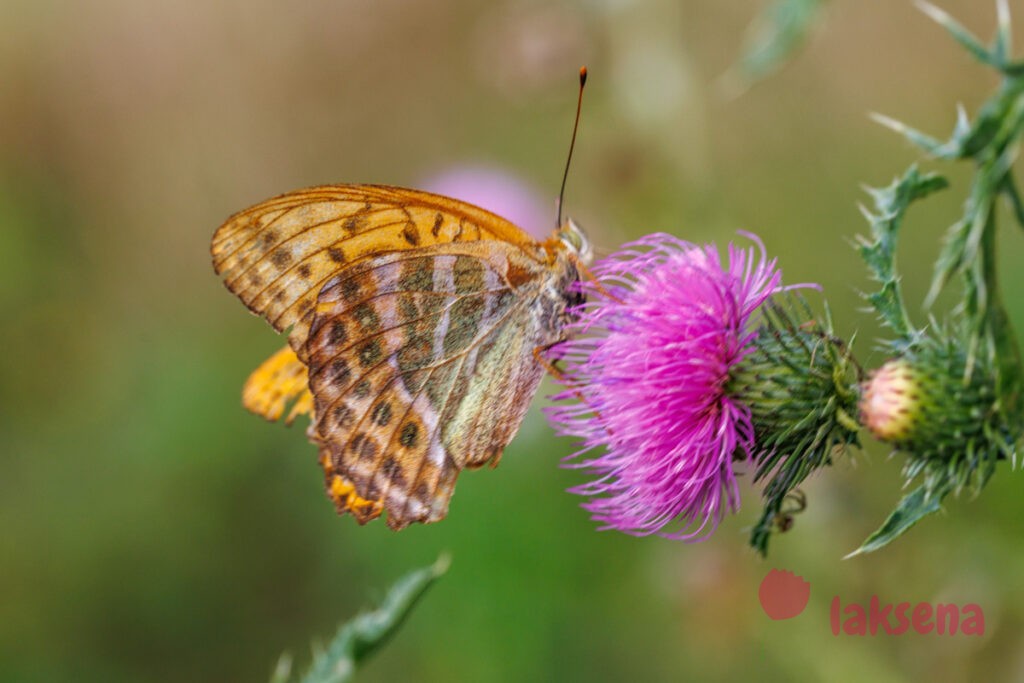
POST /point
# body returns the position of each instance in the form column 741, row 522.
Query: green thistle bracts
column 800, row 384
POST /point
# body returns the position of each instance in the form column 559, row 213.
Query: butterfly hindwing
column 280, row 383
column 277, row 255
column 411, row 370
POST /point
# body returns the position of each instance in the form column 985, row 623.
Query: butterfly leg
column 552, row 369
column 583, row 270
column 549, row 366
column 538, row 353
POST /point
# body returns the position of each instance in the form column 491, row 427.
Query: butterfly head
column 572, row 238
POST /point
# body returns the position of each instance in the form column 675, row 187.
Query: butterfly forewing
column 278, row 254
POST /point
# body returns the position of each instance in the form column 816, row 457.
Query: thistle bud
column 940, row 410
column 891, row 402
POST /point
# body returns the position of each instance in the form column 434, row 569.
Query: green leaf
column 364, row 634
column 909, row 512
column 879, row 253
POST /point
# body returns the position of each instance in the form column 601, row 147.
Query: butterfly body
column 416, row 319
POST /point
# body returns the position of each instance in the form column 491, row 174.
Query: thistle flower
column 665, row 326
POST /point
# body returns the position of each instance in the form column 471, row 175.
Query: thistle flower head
column 647, row 377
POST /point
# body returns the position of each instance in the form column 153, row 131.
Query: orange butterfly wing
column 277, row 255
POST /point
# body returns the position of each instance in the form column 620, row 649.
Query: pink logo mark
column 783, row 595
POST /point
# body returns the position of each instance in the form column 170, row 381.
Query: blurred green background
column 150, row 529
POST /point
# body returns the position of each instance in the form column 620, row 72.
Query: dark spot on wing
column 343, row 416
column 411, row 234
column 364, row 446
column 393, row 471
column 340, row 373
column 362, row 390
column 370, row 354
column 281, row 257
column 349, row 288
column 410, row 435
column 338, row 334
column 354, row 223
column 366, row 316
column 417, row 352
column 381, row 413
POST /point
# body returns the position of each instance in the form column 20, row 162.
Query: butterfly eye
column 574, row 237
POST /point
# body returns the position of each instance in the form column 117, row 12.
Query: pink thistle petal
column 647, row 375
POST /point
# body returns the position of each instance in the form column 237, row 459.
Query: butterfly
column 415, row 324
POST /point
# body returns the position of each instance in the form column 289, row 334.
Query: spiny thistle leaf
column 891, row 204
column 962, row 252
column 933, row 146
column 959, row 33
column 914, row 506
column 364, row 634
column 995, row 124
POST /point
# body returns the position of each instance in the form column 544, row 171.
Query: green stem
column 1010, row 377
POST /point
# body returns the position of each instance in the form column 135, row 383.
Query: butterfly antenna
column 572, row 144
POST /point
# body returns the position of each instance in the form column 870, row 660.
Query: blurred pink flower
column 647, row 378
column 499, row 192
